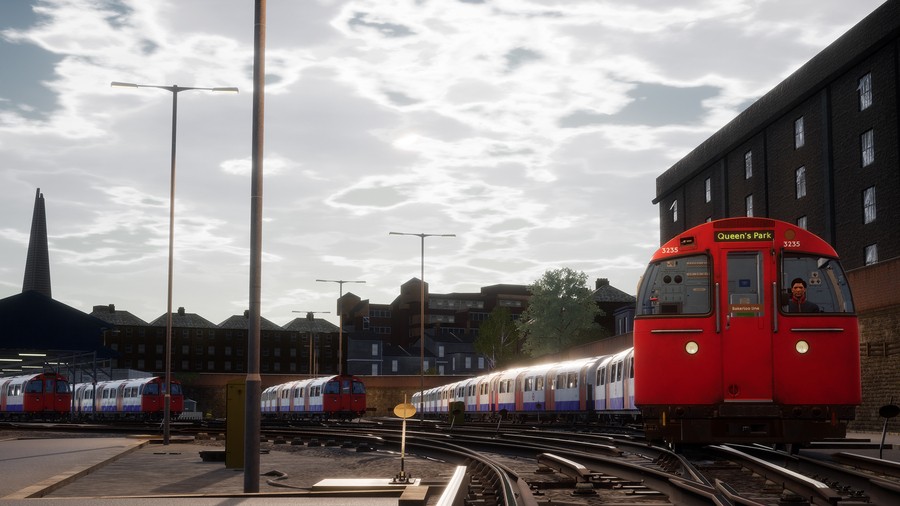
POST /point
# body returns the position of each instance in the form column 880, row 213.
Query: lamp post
column 340, row 309
column 174, row 89
column 313, row 362
column 422, row 315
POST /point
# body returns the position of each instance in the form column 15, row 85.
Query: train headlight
column 802, row 347
column 691, row 347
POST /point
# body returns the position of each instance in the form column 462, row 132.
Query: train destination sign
column 744, row 235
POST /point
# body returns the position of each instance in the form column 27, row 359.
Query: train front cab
column 719, row 359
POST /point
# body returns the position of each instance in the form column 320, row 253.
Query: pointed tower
column 37, row 265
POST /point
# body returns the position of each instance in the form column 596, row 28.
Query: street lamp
column 174, row 89
column 340, row 282
column 422, row 315
column 313, row 363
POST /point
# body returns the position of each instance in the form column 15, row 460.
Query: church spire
column 37, row 264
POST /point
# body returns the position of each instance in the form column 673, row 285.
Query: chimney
column 181, row 311
column 601, row 282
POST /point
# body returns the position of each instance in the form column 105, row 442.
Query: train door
column 746, row 334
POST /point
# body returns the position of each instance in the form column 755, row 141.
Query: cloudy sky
column 534, row 130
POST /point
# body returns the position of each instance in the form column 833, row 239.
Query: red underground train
column 722, row 351
column 40, row 396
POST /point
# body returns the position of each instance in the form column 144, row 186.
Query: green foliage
column 498, row 338
column 560, row 314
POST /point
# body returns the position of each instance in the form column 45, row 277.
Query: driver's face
column 798, row 290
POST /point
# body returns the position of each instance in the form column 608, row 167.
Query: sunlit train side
column 577, row 389
column 37, row 396
column 719, row 357
column 323, row 397
column 134, row 398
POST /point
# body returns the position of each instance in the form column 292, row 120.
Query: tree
column 498, row 338
column 560, row 313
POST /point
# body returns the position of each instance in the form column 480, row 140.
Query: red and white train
column 721, row 356
column 719, row 353
column 597, row 386
column 43, row 395
column 138, row 398
column 324, row 397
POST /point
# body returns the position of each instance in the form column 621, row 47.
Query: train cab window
column 152, row 389
column 62, row 387
column 676, row 286
column 826, row 283
column 359, row 387
column 332, row 387
column 34, row 387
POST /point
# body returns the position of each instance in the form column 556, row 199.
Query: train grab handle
column 774, row 307
column 718, row 312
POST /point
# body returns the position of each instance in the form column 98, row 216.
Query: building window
column 748, row 164
column 142, row 348
column 441, row 351
column 185, row 365
column 865, row 91
column 869, row 205
column 708, row 189
column 159, row 365
column 375, row 350
column 393, row 366
column 159, row 349
column 800, row 177
column 210, row 365
column 799, row 135
column 674, row 209
column 185, row 349
column 871, row 254
column 867, row 145
column 211, row 350
column 748, row 202
column 801, row 222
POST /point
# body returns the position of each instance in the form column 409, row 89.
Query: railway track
column 525, row 466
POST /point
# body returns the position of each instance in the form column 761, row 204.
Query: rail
column 816, row 491
column 454, row 493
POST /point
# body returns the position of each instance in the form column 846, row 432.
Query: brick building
column 820, row 150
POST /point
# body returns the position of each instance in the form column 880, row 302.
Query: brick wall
column 877, row 298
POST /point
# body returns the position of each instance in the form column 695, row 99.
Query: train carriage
column 43, row 396
column 136, row 398
column 321, row 397
column 720, row 353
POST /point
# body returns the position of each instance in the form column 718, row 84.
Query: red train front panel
column 719, row 356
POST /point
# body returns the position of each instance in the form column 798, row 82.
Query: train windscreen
column 826, row 284
column 676, row 286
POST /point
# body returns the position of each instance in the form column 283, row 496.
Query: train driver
column 798, row 303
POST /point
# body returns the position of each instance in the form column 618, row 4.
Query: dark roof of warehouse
column 242, row 322
column 318, row 326
column 31, row 320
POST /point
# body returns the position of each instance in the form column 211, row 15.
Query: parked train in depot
column 325, row 397
column 136, row 398
column 45, row 396
column 50, row 396
column 721, row 352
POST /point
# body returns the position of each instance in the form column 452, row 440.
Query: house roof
column 316, row 326
column 242, row 322
column 114, row 316
column 183, row 319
